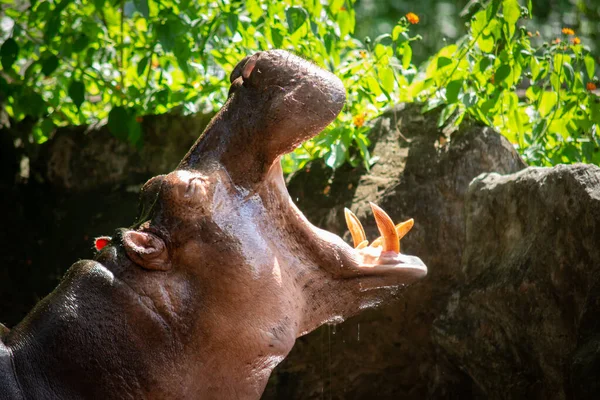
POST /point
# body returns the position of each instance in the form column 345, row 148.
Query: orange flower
column 591, row 86
column 576, row 40
column 412, row 18
column 529, row 34
column 363, row 54
column 568, row 31
column 556, row 41
column 359, row 120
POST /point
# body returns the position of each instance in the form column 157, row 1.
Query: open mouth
column 382, row 256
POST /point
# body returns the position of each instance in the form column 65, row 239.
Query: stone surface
column 509, row 309
column 89, row 158
column 421, row 174
column 524, row 323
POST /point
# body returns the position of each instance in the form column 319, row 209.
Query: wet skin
column 208, row 291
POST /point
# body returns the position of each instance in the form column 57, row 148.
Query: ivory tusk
column 402, row 229
column 387, row 229
column 355, row 228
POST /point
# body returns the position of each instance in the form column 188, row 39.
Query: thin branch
column 122, row 51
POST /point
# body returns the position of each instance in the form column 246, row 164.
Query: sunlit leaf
column 386, row 79
column 295, row 17
column 452, row 91
column 547, row 103
column 511, row 10
column 590, row 65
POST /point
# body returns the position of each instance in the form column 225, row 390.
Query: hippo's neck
column 78, row 342
column 9, row 386
column 73, row 346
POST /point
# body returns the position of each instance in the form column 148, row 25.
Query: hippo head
column 233, row 270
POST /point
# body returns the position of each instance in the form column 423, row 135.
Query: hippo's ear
column 147, row 250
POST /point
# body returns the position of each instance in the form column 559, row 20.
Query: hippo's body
column 208, row 291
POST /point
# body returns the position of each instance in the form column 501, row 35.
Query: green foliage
column 542, row 98
column 78, row 62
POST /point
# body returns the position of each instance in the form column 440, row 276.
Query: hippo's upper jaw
column 208, row 291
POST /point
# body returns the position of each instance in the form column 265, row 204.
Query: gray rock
column 524, row 323
column 83, row 158
column 421, row 174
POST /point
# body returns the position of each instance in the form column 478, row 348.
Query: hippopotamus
column 208, row 290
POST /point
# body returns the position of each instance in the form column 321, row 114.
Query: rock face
column 510, row 306
column 524, row 322
column 388, row 354
column 88, row 158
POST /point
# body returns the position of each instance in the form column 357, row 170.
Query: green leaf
column 590, row 65
column 534, row 65
column 141, row 67
column 547, row 103
column 446, row 114
column 386, row 79
column 452, row 90
column 277, row 37
column 9, row 52
column 346, row 22
column 80, row 43
column 295, row 17
column 406, row 55
column 486, row 43
column 51, row 28
column 569, row 72
column 182, row 52
column 443, row 61
column 479, row 22
column 232, row 22
column 336, row 156
column 142, row 7
column 493, row 10
column 253, row 7
column 118, row 122
column 502, row 73
column 47, row 126
column 32, row 104
column 469, row 99
column 169, row 33
column 77, row 93
column 162, row 96
column 511, row 11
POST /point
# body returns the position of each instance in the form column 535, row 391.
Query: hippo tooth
column 362, row 244
column 402, row 229
column 355, row 227
column 387, row 229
